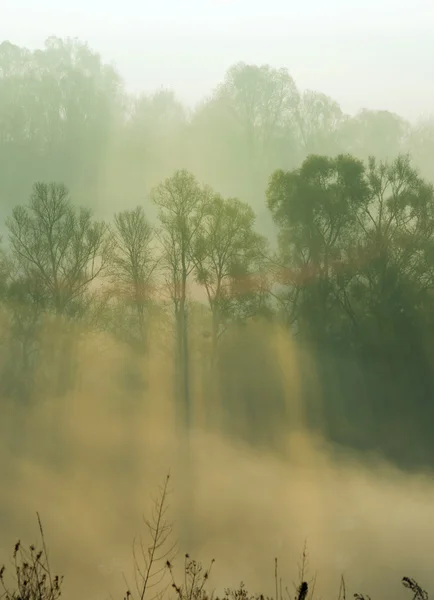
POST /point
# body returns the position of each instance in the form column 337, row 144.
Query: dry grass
column 29, row 576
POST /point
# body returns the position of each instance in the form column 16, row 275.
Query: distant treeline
column 66, row 116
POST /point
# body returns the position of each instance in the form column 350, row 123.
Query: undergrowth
column 29, row 576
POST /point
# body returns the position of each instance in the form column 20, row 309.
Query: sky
column 375, row 54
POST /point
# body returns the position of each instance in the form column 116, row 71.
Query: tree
column 391, row 294
column 58, row 252
column 374, row 133
column 5, row 271
column 261, row 102
column 22, row 326
column 156, row 130
column 319, row 119
column 357, row 256
column 396, row 224
column 57, row 247
column 182, row 204
column 262, row 99
column 227, row 251
column 132, row 269
column 21, row 323
column 314, row 207
column 421, row 145
column 57, row 110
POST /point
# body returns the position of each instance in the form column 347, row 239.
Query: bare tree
column 58, row 245
column 133, row 267
column 151, row 561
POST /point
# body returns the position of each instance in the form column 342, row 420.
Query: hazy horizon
column 382, row 63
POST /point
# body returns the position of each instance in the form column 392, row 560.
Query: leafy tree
column 396, row 225
column 374, row 132
column 57, row 108
column 216, row 146
column 154, row 135
column 356, row 262
column 420, row 145
column 314, row 207
column 261, row 103
column 261, row 99
column 319, row 119
column 182, row 204
column 391, row 295
column 227, row 252
column 150, row 142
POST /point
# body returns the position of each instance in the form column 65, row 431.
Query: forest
column 192, row 231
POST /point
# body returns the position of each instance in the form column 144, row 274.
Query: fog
column 90, row 462
column 364, row 54
column 217, row 261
